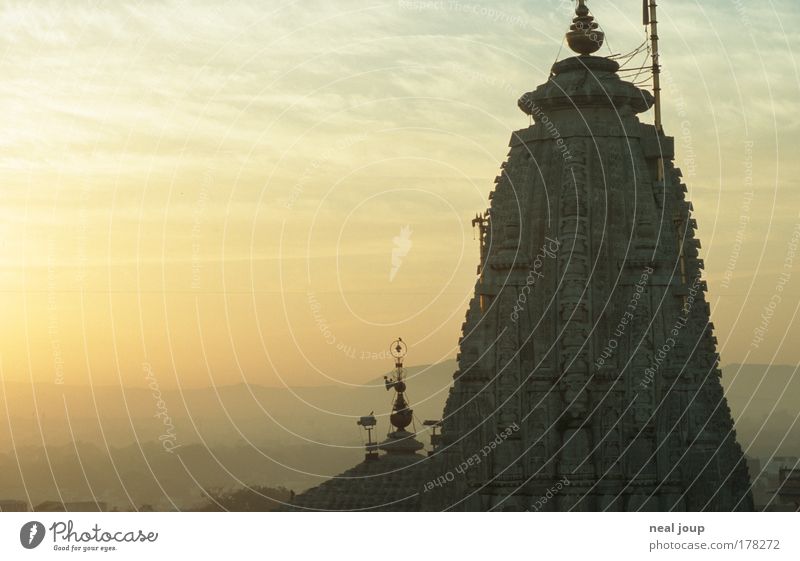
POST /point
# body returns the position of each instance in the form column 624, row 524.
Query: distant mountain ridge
column 249, row 434
column 320, row 414
column 214, row 414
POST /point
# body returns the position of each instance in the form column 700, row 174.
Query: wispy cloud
column 120, row 118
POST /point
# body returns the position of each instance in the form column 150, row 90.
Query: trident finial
column 583, row 36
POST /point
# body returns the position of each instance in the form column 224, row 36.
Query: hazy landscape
column 112, row 445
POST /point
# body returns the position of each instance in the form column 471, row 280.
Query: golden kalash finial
column 583, row 36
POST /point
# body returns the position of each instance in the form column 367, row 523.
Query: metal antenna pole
column 650, row 18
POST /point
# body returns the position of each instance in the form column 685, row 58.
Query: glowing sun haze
column 271, row 192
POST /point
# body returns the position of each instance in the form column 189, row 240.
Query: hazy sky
column 216, row 188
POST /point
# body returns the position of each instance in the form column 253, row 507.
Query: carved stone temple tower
column 588, row 376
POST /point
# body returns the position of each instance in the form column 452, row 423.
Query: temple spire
column 583, row 36
column 400, row 441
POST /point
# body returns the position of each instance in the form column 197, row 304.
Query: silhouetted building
column 789, row 487
column 391, row 481
column 73, row 506
column 588, row 377
column 13, row 506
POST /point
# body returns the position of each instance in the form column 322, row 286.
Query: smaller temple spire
column 583, row 36
column 400, row 440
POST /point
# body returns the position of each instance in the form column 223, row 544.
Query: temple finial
column 400, row 441
column 583, row 36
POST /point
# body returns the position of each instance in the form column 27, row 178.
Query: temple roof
column 392, row 482
column 583, row 82
column 389, row 481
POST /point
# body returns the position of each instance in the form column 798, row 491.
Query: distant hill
column 270, row 416
column 108, row 446
column 213, row 415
